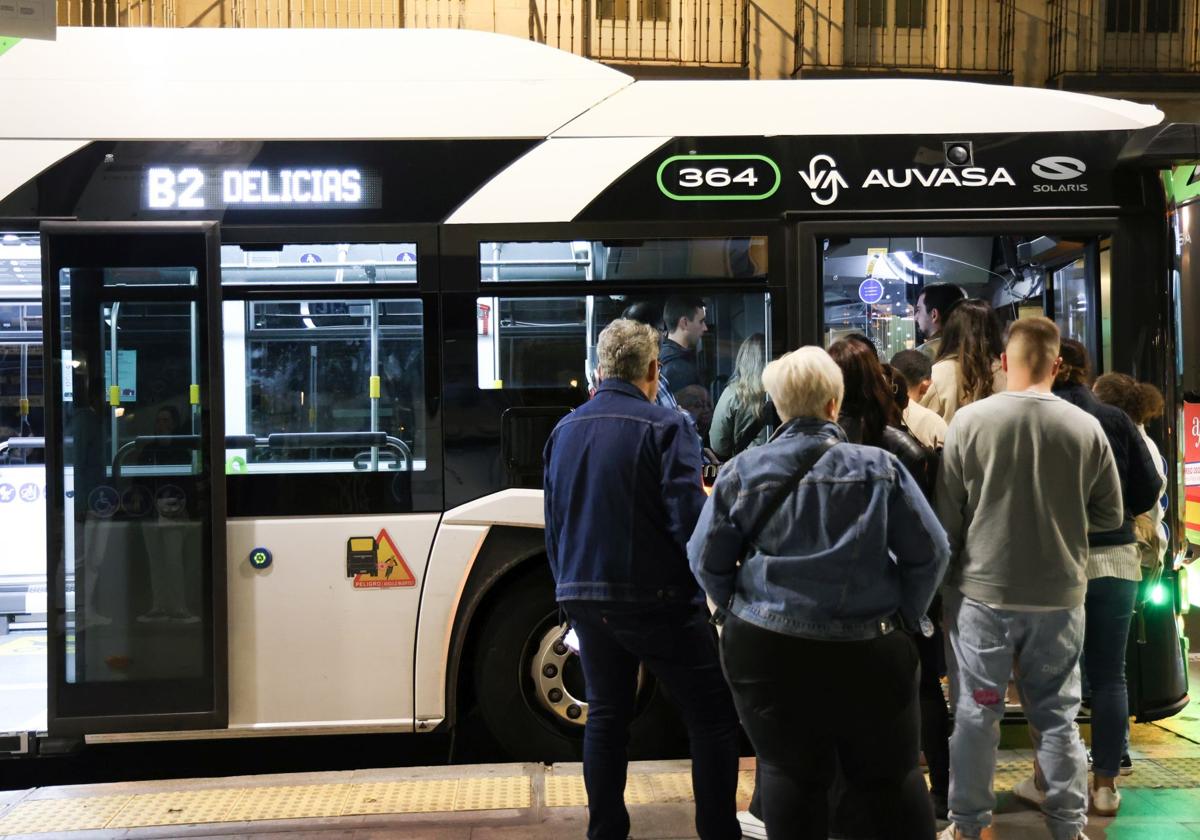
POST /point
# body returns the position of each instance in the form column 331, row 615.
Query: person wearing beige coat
column 968, row 364
column 945, row 395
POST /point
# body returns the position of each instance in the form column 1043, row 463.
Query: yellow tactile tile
column 671, row 787
column 414, row 797
column 1164, row 773
column 492, row 793
column 1148, row 734
column 745, row 788
column 177, row 807
column 565, row 791
column 289, row 802
column 1008, row 773
column 47, row 815
column 639, row 789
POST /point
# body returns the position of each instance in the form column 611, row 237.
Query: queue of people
column 1013, row 493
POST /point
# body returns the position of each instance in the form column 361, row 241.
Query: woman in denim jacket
column 816, row 582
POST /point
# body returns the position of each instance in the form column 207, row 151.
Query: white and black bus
column 312, row 301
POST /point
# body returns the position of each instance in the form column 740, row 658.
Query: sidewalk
column 520, row 802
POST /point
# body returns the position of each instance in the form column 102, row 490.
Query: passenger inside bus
column 686, row 325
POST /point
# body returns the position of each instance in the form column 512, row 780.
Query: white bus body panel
column 306, row 648
column 458, row 542
column 555, row 180
column 292, row 84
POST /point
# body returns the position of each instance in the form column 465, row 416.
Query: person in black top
column 685, row 320
column 1113, row 570
column 871, row 414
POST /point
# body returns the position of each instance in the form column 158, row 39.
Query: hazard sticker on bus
column 390, row 571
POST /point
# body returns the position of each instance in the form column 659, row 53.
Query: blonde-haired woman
column 818, row 553
column 738, row 419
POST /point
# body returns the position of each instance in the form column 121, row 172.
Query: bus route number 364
column 718, row 177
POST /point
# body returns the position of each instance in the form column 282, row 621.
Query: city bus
column 310, row 302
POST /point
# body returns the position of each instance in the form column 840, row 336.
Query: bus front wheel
column 530, row 689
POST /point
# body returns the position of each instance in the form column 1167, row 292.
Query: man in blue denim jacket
column 818, row 553
column 622, row 494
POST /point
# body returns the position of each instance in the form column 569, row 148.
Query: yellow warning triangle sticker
column 391, row 570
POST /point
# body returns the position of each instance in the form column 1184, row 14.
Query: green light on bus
column 1158, row 594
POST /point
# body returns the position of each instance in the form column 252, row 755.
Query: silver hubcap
column 549, row 661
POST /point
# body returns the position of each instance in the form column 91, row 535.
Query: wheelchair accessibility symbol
column 104, row 501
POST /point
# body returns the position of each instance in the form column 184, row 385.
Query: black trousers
column 677, row 645
column 935, row 716
column 810, row 707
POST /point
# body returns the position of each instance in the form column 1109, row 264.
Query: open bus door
column 135, row 498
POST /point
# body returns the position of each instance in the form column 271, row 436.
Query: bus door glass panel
column 140, row 518
column 1074, row 303
column 871, row 284
column 22, row 419
column 325, row 386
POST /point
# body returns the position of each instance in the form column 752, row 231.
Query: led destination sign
column 294, row 188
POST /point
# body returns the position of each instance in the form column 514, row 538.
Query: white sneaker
column 1105, row 801
column 950, row 833
column 1027, row 791
column 752, row 826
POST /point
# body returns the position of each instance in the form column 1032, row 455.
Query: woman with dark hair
column 1143, row 403
column 871, row 414
column 737, row 422
column 1113, row 571
column 968, row 362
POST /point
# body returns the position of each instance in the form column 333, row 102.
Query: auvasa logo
column 823, row 179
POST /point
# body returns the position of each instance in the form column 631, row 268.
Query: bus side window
column 325, row 385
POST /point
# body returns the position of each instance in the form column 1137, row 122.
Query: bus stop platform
column 1161, row 800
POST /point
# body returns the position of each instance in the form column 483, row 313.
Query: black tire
column 506, row 636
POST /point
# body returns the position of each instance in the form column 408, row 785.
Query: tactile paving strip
column 1164, row 773
column 281, row 802
column 567, row 791
column 564, row 791
column 289, row 802
column 177, row 807
column 745, row 788
column 429, row 796
column 492, row 793
column 44, row 815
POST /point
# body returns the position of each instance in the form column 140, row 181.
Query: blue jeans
column 678, row 646
column 1045, row 648
column 1109, row 612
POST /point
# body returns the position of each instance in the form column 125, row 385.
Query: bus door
column 1078, row 272
column 136, row 527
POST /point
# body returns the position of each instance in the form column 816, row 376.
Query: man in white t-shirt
column 926, row 425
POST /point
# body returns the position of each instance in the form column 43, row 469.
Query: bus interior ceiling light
column 906, row 261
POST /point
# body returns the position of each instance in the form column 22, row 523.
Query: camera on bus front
column 959, row 152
